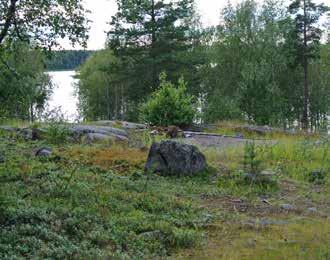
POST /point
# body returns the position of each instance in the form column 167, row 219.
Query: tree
column 24, row 86
column 250, row 65
column 308, row 35
column 43, row 22
column 169, row 105
column 101, row 90
column 151, row 36
column 319, row 82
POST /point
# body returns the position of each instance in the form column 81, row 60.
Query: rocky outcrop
column 174, row 158
column 121, row 124
column 98, row 134
column 86, row 129
column 96, row 137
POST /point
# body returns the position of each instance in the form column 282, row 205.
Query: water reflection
column 64, row 93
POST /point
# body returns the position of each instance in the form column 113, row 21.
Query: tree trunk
column 153, row 42
column 31, row 113
column 305, row 61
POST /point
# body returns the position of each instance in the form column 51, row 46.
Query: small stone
column 151, row 235
column 317, row 176
column 287, row 207
column 239, row 135
column 45, row 151
column 312, row 210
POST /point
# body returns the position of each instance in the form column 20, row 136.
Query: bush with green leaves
column 169, row 105
column 57, row 128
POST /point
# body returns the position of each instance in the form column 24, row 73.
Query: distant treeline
column 67, row 59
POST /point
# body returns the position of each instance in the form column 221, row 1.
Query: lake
column 63, row 96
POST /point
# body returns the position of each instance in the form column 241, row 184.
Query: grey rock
column 26, row 133
column 8, row 129
column 264, row 222
column 317, row 176
column 96, row 137
column 122, row 124
column 239, row 135
column 152, row 235
column 44, row 152
column 312, row 210
column 174, row 158
column 81, row 130
column 287, row 207
column 37, row 134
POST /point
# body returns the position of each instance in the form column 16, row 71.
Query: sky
column 102, row 10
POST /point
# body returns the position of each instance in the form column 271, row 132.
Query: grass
column 298, row 239
column 96, row 202
column 78, row 204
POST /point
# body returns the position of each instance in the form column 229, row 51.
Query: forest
column 263, row 63
column 192, row 141
column 66, row 59
column 254, row 65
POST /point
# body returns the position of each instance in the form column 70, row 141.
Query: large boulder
column 174, row 158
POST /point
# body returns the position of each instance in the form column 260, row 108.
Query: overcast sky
column 102, row 10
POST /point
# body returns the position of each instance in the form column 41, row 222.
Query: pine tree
column 152, row 36
column 308, row 36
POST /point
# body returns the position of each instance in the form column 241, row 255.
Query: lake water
column 64, row 94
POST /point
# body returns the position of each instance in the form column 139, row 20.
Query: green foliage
column 299, row 159
column 79, row 204
column 43, row 22
column 254, row 51
column 102, row 94
column 71, row 209
column 251, row 162
column 222, row 108
column 169, row 105
column 24, row 87
column 57, row 131
column 146, row 38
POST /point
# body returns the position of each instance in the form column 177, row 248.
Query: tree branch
column 8, row 21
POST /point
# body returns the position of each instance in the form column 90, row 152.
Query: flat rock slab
column 221, row 142
column 96, row 137
column 105, row 130
column 121, row 124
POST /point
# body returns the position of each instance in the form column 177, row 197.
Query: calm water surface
column 64, row 93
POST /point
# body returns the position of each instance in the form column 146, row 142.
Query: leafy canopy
column 43, row 22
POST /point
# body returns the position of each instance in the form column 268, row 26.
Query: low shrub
column 169, row 105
